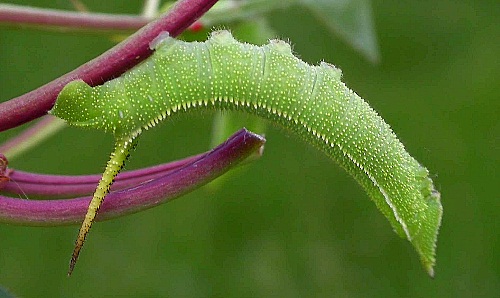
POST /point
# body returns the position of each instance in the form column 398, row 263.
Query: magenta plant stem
column 71, row 211
column 26, row 134
column 25, row 183
column 109, row 65
column 20, row 16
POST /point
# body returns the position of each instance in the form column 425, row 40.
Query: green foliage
column 351, row 20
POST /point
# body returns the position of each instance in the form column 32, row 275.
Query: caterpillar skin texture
column 268, row 81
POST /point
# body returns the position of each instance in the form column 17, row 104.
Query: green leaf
column 352, row 20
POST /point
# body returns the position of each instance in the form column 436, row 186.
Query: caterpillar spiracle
column 270, row 82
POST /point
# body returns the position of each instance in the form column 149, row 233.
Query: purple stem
column 26, row 134
column 109, row 65
column 144, row 196
column 25, row 183
column 17, row 15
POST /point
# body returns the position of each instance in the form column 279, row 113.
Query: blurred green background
column 292, row 223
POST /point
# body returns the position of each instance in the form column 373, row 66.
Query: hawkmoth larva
column 270, row 82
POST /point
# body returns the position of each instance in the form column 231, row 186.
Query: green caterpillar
column 270, row 82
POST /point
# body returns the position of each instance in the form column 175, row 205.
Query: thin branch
column 63, row 212
column 32, row 136
column 25, row 183
column 105, row 67
column 22, row 16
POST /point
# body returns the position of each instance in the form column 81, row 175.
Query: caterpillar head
column 79, row 110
